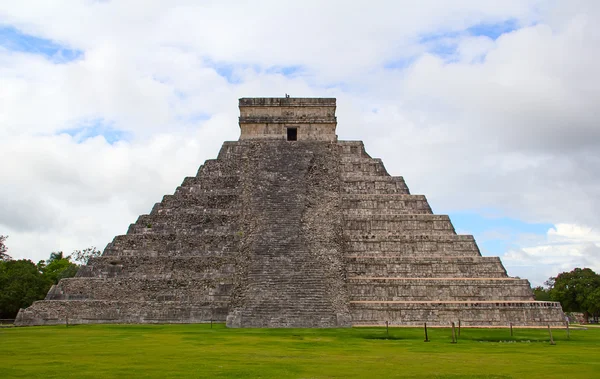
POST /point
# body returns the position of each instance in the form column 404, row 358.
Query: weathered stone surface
column 306, row 233
column 269, row 118
column 379, row 265
column 294, row 273
column 470, row 313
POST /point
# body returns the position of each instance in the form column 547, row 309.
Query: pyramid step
column 484, row 267
column 167, row 228
column 349, row 178
column 216, row 167
column 368, row 184
column 352, row 148
column 223, row 199
column 400, row 259
column 488, row 313
column 189, row 290
column 448, row 289
column 384, row 204
column 416, row 217
column 159, row 209
column 350, row 158
column 158, row 267
column 380, row 240
column 409, row 245
column 363, row 167
column 223, row 251
column 131, row 311
column 403, row 223
column 191, row 216
column 212, row 180
column 196, row 191
column 173, row 244
column 383, row 197
column 231, row 151
column 378, row 211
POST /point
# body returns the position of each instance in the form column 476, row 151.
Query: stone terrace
column 289, row 227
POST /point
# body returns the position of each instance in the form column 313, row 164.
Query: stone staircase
column 288, row 276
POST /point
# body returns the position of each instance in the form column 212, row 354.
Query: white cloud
column 509, row 123
column 564, row 247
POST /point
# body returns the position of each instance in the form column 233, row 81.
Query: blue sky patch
column 444, row 44
column 495, row 235
column 14, row 40
column 493, row 31
column 444, row 48
column 288, row 71
column 195, row 118
column 398, row 64
column 94, row 128
column 230, row 71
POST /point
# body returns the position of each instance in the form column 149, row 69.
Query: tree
column 57, row 267
column 541, row 293
column 21, row 284
column 594, row 302
column 83, row 256
column 4, row 249
column 577, row 291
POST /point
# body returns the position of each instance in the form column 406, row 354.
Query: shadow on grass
column 383, row 337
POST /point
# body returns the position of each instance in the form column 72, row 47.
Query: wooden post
column 568, row 332
column 550, row 332
column 459, row 327
column 387, row 332
column 511, row 332
column 426, row 338
column 453, row 333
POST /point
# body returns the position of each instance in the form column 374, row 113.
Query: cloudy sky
column 490, row 108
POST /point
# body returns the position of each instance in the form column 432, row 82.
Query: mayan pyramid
column 290, row 227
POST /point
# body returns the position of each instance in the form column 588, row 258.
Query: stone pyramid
column 290, row 227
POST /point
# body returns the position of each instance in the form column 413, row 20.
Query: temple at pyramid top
column 288, row 118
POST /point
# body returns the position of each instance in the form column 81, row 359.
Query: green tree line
column 22, row 282
column 577, row 291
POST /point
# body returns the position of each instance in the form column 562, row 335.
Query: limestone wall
column 306, row 131
column 440, row 289
column 385, row 204
column 158, row 267
column 119, row 312
column 268, row 118
column 398, row 244
column 186, row 290
column 407, row 266
column 476, row 313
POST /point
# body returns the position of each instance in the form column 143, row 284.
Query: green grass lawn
column 192, row 351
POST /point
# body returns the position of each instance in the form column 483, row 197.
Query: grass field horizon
column 197, row 350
